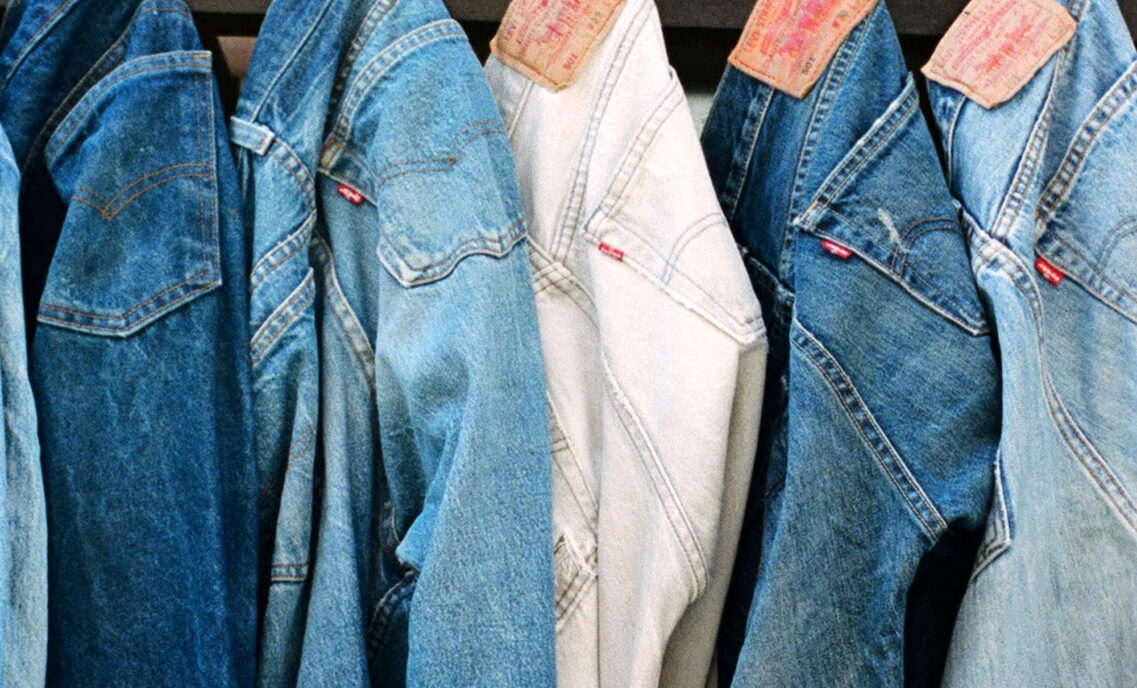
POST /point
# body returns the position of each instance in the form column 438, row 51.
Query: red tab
column 612, row 252
column 1047, row 270
column 350, row 194
column 836, row 249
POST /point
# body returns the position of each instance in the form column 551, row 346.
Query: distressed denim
column 881, row 420
column 1049, row 174
column 654, row 356
column 23, row 527
column 134, row 270
column 399, row 394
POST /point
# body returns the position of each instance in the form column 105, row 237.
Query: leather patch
column 787, row 44
column 997, row 46
column 549, row 41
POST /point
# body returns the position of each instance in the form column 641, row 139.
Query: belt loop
column 249, row 135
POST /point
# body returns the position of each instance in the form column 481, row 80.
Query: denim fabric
column 1050, row 174
column 23, row 528
column 130, row 217
column 880, row 425
column 654, row 359
column 392, row 309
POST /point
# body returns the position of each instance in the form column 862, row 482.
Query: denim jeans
column 1046, row 183
column 134, row 264
column 23, row 521
column 881, row 420
column 654, row 355
column 399, row 392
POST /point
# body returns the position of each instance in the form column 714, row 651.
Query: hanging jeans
column 880, row 425
column 1046, row 182
column 134, row 264
column 399, row 391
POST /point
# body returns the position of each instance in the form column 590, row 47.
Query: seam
column 283, row 251
column 740, row 165
column 384, row 611
column 677, row 516
column 922, row 227
column 494, row 247
column 1085, row 141
column 340, row 307
column 290, row 60
column 111, row 213
column 43, row 317
column 1101, row 279
column 587, row 502
column 1094, row 466
column 826, row 99
column 375, row 15
column 437, row 31
column 695, row 230
column 573, row 216
column 746, row 325
column 284, row 315
column 78, row 116
column 631, row 164
column 919, row 504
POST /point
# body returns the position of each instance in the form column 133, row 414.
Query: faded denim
column 134, row 270
column 404, row 461
column 880, row 426
column 1050, row 174
column 23, row 542
column 654, row 358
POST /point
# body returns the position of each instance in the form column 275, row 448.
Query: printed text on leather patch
column 550, row 40
column 787, row 44
column 996, row 46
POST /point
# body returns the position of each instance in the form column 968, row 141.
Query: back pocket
column 888, row 203
column 134, row 159
column 1088, row 215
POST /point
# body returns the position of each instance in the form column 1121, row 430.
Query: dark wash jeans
column 880, row 425
column 136, row 275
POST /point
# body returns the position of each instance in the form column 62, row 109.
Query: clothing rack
column 912, row 17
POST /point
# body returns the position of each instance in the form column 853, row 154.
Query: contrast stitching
column 438, row 31
column 78, row 116
column 1094, row 466
column 344, row 315
column 930, row 519
column 110, row 213
column 693, row 231
column 276, row 324
column 676, row 515
column 385, row 611
column 495, row 247
column 123, row 328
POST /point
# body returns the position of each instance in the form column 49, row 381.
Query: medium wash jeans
column 1049, row 175
column 399, row 389
column 134, row 264
column 881, row 420
column 654, row 355
column 23, row 521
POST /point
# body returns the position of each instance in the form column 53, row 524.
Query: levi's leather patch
column 787, row 44
column 550, row 40
column 996, row 46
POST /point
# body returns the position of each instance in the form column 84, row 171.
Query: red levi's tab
column 1047, row 270
column 997, row 46
column 788, row 44
column 612, row 252
column 350, row 194
column 836, row 249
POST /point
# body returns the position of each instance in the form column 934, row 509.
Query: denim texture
column 881, row 421
column 654, row 357
column 134, row 264
column 400, row 400
column 23, row 539
column 1050, row 174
